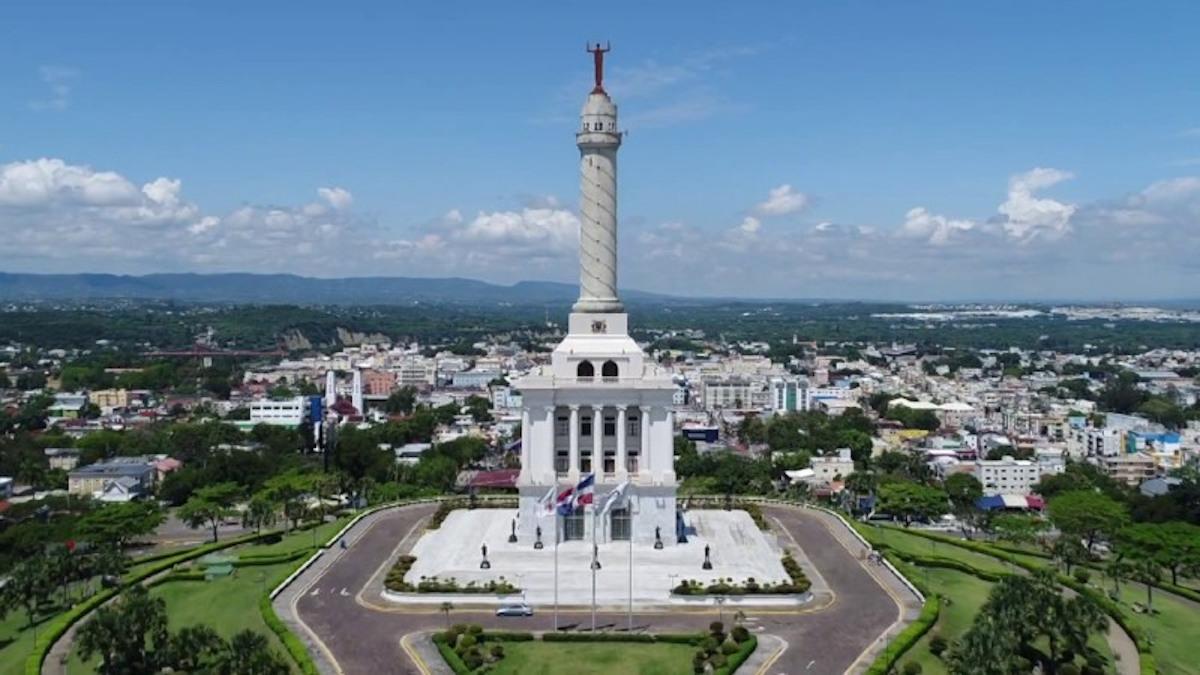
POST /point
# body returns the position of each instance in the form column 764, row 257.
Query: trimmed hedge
column 295, row 648
column 907, row 638
column 602, row 637
column 450, row 656
column 739, row 657
column 274, row 559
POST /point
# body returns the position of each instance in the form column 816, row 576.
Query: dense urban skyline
column 937, row 151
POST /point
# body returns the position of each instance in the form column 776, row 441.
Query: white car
column 518, row 609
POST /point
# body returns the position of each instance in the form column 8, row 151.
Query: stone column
column 573, row 435
column 598, row 439
column 545, row 445
column 526, row 467
column 622, row 429
column 644, row 460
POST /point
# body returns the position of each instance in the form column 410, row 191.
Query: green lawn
column 900, row 540
column 589, row 658
column 227, row 605
column 1174, row 631
column 16, row 640
column 965, row 595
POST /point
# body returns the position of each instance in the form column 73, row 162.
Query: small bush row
column 799, row 584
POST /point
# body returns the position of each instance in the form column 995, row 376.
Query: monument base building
column 599, row 408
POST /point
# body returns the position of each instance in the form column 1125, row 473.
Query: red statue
column 598, row 58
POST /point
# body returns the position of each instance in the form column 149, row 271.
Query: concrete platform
column 739, row 550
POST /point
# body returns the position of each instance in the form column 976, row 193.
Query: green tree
column 1087, row 515
column 1175, row 546
column 120, row 523
column 290, row 490
column 964, row 490
column 249, row 653
column 911, row 501
column 210, row 506
column 260, row 512
column 130, row 635
column 29, row 586
column 401, row 401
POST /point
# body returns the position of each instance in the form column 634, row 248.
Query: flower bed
column 799, row 584
column 395, row 582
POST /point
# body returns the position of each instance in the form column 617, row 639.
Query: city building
column 1132, row 469
column 109, row 399
column 1007, row 476
column 285, row 413
column 62, row 458
column 834, row 467
column 122, row 478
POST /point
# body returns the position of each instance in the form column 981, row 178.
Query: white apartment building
column 828, row 469
column 728, row 393
column 416, row 373
column 287, row 413
column 1007, row 476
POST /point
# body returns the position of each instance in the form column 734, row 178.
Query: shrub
column 497, row 651
column 718, row 660
column 473, row 659
column 911, row 668
column 728, row 647
column 937, row 645
column 465, row 643
column 1082, row 575
column 716, row 627
column 740, row 634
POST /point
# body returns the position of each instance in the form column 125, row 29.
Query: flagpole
column 556, row 569
column 629, row 510
column 594, row 557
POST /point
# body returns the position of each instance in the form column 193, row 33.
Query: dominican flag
column 585, row 492
column 565, row 502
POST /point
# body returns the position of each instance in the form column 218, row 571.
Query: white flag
column 611, row 498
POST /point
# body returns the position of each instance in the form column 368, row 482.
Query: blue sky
column 920, row 150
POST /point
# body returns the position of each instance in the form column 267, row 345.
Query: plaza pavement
column 336, row 609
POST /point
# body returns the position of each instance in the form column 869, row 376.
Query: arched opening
column 609, row 369
column 585, row 369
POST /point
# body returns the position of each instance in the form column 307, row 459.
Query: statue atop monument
column 598, row 53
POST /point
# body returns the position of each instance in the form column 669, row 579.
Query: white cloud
column 46, row 181
column 750, row 225
column 1030, row 217
column 935, row 229
column 59, row 80
column 781, row 201
column 338, row 198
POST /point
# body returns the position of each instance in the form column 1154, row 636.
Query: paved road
column 338, row 602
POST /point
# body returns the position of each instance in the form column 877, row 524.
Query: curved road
column 338, row 602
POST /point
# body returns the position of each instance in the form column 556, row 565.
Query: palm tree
column 446, row 607
column 1080, row 617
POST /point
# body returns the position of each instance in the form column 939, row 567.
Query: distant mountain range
column 287, row 289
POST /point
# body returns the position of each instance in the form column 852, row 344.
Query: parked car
column 518, row 609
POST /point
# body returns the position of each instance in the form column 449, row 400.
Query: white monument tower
column 600, row 407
